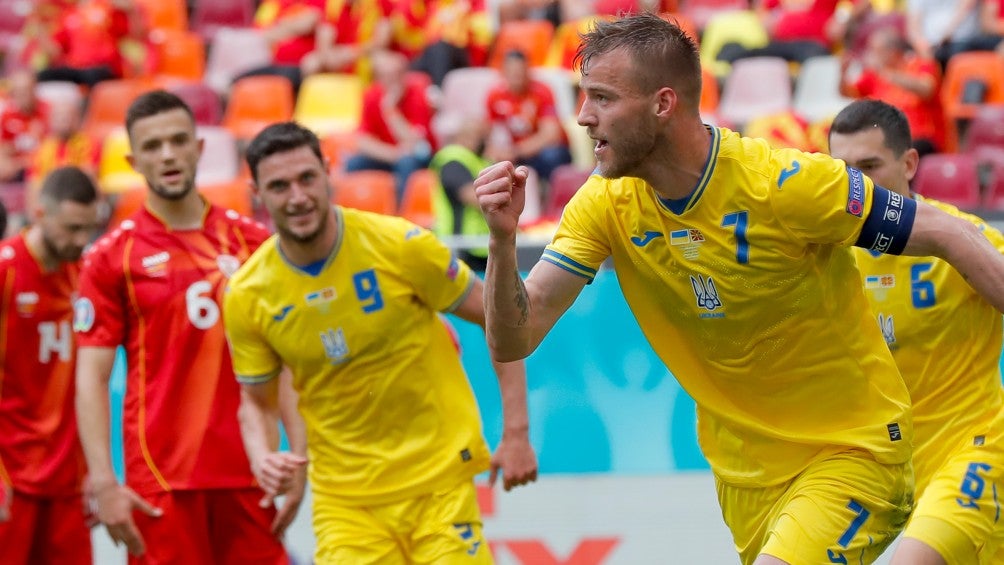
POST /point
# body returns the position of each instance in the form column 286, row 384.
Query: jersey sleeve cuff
column 258, row 379
column 568, row 264
column 463, row 295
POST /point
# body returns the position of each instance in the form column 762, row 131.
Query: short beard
column 637, row 150
column 57, row 253
column 173, row 196
column 308, row 238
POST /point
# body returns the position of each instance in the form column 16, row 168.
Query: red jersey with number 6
column 39, row 451
column 158, row 291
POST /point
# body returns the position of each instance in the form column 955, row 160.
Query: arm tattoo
column 522, row 300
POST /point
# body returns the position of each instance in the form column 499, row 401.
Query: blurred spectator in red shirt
column 395, row 132
column 23, row 124
column 798, row 30
column 889, row 71
column 85, row 46
column 525, row 124
column 442, row 35
column 350, row 31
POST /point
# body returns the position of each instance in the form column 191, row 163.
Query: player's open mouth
column 171, row 175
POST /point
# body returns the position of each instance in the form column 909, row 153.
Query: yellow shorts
column 846, row 508
column 959, row 513
column 443, row 528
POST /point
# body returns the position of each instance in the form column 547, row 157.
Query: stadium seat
column 757, row 86
column 416, row 204
column 532, row 37
column 337, row 147
column 165, row 15
column 710, row 96
column 560, row 81
column 734, row 26
column 702, row 12
column 684, row 22
column 817, row 89
column 125, row 204
column 115, row 174
column 952, row 178
column 204, row 102
column 366, row 190
column 107, row 105
column 233, row 52
column 256, row 102
column 13, row 14
column 565, row 182
column 179, row 55
column 465, row 92
column 962, row 69
column 565, row 42
column 783, row 129
column 208, row 17
column 329, row 102
column 220, row 162
column 232, row 195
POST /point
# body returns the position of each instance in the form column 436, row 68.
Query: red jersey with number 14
column 157, row 291
column 39, row 451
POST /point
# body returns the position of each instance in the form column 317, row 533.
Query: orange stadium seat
column 256, row 102
column 232, row 195
column 416, row 205
column 684, row 22
column 952, row 178
column 962, row 69
column 165, row 14
column 710, row 96
column 125, row 204
column 107, row 105
column 532, row 37
column 337, row 147
column 179, row 54
column 366, row 190
column 565, row 42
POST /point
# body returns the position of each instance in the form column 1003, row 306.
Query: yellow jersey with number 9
column 389, row 412
column 748, row 292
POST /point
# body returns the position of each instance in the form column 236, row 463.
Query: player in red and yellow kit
column 41, row 465
column 153, row 285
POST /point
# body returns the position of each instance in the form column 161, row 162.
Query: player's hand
column 276, row 473
column 515, row 457
column 114, row 505
column 6, row 497
column 501, row 191
column 290, row 503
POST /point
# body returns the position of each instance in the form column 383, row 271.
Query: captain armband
column 887, row 228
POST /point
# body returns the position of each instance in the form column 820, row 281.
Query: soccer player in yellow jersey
column 349, row 301
column 946, row 340
column 735, row 260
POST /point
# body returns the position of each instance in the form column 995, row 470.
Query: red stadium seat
column 965, row 68
column 565, row 182
column 416, row 204
column 257, row 101
column 179, row 54
column 532, row 37
column 757, row 86
column 108, row 102
column 952, row 178
column 203, row 101
column 209, row 16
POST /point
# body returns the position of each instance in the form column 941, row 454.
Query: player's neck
column 36, row 245
column 677, row 166
column 184, row 214
column 304, row 253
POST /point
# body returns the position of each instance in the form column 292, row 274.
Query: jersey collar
column 680, row 205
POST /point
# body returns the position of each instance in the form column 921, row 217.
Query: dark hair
column 153, row 103
column 68, row 184
column 661, row 53
column 867, row 113
column 277, row 138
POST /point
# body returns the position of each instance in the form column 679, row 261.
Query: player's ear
column 911, row 160
column 665, row 101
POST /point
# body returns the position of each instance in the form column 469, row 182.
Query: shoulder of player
column 112, row 239
column 12, row 251
column 235, row 219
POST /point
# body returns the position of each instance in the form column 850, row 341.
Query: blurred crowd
column 413, row 97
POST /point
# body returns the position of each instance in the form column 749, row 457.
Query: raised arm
column 518, row 315
column 961, row 244
column 113, row 503
column 514, row 454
